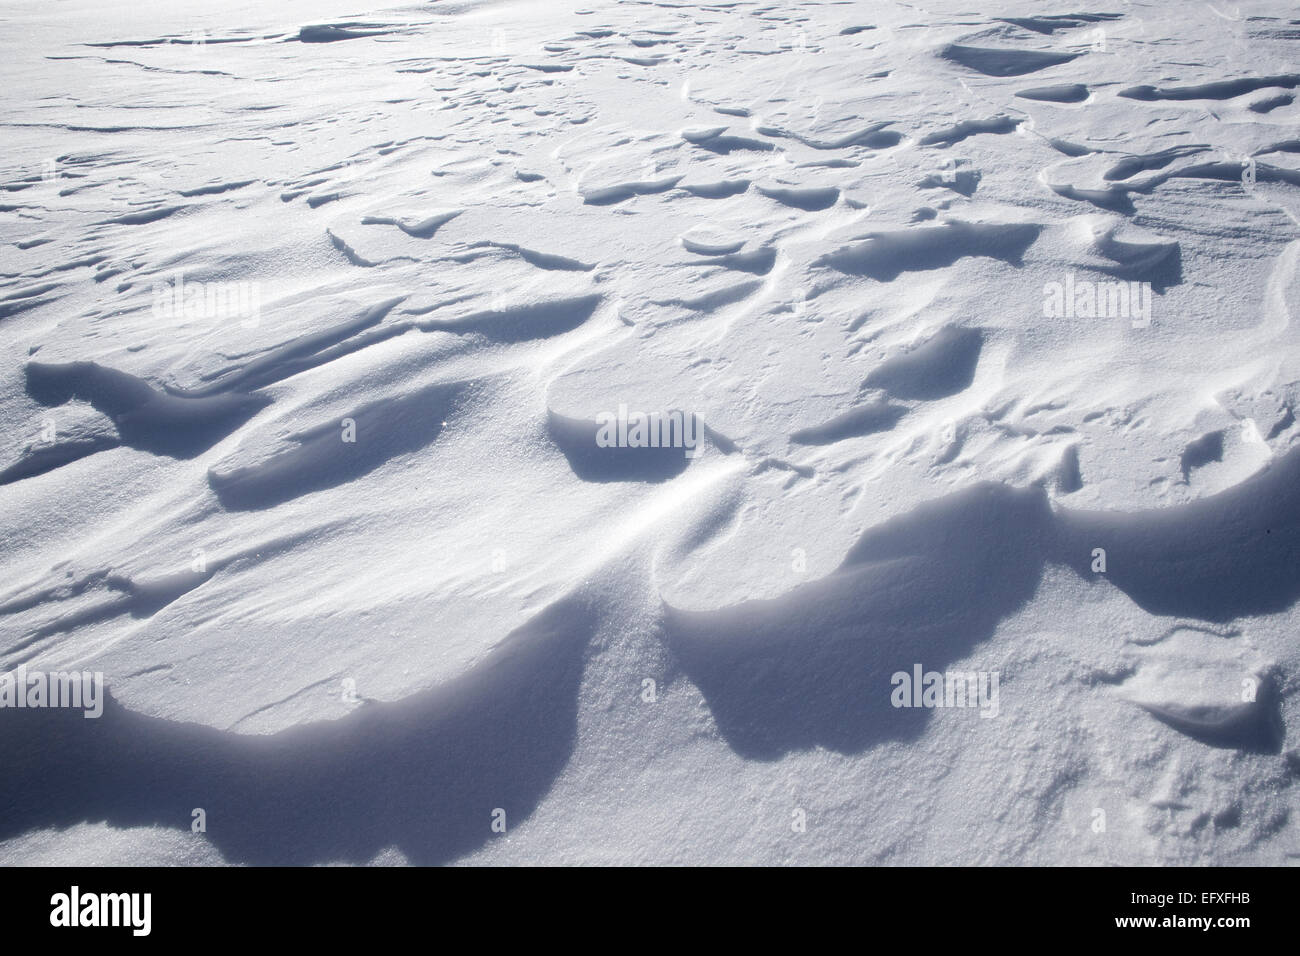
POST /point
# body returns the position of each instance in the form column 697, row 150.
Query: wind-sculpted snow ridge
column 145, row 418
column 887, row 255
column 307, row 794
column 635, row 428
column 774, row 682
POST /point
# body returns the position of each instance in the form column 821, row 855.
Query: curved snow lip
column 998, row 125
column 812, row 667
column 334, row 32
column 592, row 459
column 886, row 255
column 943, row 365
column 1222, row 557
column 521, row 323
column 1000, row 61
column 420, row 774
column 1060, row 93
column 808, row 199
column 145, row 418
column 336, row 452
column 1218, row 90
column 865, row 419
column 1254, row 727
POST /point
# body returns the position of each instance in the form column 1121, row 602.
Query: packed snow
column 501, row 432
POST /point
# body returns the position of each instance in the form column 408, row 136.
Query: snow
column 986, row 321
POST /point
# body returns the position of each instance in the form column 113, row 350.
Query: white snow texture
column 500, row 432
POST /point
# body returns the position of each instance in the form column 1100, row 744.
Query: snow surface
column 821, row 231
